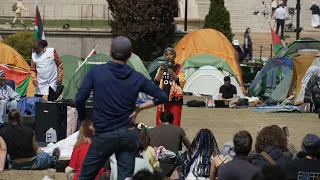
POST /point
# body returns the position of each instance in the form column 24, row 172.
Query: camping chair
column 308, row 176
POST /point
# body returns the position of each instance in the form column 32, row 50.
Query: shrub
column 147, row 23
column 22, row 42
column 218, row 18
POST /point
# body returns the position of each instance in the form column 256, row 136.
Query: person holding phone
column 171, row 78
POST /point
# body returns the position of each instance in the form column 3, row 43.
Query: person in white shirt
column 274, row 6
column 17, row 8
column 280, row 15
column 46, row 70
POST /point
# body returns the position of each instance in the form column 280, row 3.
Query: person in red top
column 79, row 153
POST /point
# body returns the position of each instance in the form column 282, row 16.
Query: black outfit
column 275, row 153
column 52, row 95
column 247, row 51
column 301, row 165
column 19, row 141
column 167, row 82
column 240, row 168
column 240, row 53
column 227, row 92
column 280, row 24
column 315, row 9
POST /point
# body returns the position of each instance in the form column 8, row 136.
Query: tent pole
column 186, row 15
column 298, row 20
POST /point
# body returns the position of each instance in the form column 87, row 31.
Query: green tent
column 153, row 67
column 70, row 65
column 100, row 58
column 200, row 60
column 292, row 50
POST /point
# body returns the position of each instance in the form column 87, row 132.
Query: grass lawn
column 59, row 23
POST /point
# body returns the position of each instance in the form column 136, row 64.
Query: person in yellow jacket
column 17, row 8
column 171, row 78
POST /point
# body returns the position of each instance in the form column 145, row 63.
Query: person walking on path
column 115, row 87
column 280, row 15
column 17, row 9
column 315, row 22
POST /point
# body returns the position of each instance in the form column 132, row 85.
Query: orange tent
column 300, row 66
column 17, row 65
column 209, row 41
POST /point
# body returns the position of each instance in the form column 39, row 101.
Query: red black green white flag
column 276, row 42
column 38, row 26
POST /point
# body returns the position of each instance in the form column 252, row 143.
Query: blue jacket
column 115, row 89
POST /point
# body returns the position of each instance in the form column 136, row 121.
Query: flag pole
column 86, row 58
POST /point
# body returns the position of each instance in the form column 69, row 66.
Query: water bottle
column 51, row 135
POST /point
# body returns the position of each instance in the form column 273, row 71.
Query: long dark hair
column 144, row 138
column 247, row 31
column 203, row 147
column 15, row 118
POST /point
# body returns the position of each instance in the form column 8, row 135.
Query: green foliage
column 147, row 23
column 218, row 18
column 22, row 42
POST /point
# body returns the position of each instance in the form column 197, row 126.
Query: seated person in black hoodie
column 273, row 172
column 240, row 167
column 308, row 159
column 269, row 146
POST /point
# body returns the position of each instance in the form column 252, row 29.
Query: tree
column 218, row 18
column 22, row 42
column 147, row 23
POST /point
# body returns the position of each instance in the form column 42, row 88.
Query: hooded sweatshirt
column 275, row 153
column 115, row 90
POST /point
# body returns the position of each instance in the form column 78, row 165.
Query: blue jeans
column 123, row 143
column 42, row 161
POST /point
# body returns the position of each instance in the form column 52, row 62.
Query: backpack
column 15, row 7
column 194, row 103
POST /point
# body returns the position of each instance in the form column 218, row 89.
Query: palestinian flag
column 19, row 76
column 276, row 42
column 38, row 27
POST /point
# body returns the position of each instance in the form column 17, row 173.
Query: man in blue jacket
column 115, row 88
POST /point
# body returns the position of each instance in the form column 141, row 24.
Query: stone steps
column 241, row 13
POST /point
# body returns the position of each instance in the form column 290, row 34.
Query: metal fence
column 61, row 11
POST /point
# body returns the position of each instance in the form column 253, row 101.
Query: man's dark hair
column 147, row 175
column 242, row 142
column 14, row 118
column 227, row 78
column 167, row 116
column 272, row 172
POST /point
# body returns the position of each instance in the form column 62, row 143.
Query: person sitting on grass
column 79, row 152
column 199, row 154
column 271, row 147
column 22, row 146
column 225, row 156
column 145, row 144
column 228, row 92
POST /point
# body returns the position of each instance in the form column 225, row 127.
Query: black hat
column 311, row 144
column 121, row 48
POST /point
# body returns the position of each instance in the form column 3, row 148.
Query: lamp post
column 298, row 20
column 186, row 15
